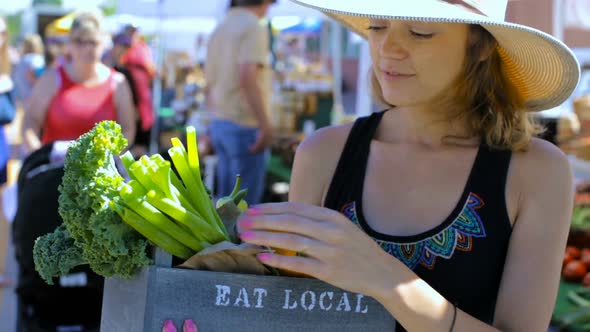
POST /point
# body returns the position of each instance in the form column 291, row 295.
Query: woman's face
column 415, row 62
column 86, row 47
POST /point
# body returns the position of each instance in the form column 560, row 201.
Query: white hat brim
column 543, row 69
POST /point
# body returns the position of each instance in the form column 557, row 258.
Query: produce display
column 576, row 261
column 572, row 310
column 576, row 264
column 577, row 319
column 110, row 218
column 581, row 213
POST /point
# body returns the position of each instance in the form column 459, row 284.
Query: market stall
column 572, row 308
column 571, row 131
column 304, row 96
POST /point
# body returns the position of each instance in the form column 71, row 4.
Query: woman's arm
column 531, row 276
column 126, row 113
column 36, row 109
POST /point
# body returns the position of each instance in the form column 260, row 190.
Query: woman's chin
column 398, row 101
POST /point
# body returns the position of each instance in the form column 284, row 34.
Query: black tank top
column 463, row 257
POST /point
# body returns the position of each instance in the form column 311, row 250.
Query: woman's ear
column 486, row 51
column 481, row 43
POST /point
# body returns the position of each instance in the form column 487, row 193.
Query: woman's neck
column 419, row 125
column 84, row 72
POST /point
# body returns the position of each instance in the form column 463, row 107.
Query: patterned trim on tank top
column 458, row 235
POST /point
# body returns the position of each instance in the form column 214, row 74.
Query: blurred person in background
column 55, row 51
column 121, row 44
column 66, row 102
column 238, row 76
column 30, row 66
column 138, row 60
column 59, row 108
column 115, row 59
column 6, row 100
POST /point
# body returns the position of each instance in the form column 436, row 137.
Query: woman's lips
column 392, row 75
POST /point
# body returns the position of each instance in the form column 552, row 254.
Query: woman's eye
column 421, row 35
column 375, row 27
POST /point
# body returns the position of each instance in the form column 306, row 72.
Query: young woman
column 6, row 100
column 444, row 207
column 30, row 67
column 68, row 101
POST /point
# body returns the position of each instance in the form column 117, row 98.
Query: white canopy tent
column 209, row 8
column 152, row 25
column 168, row 14
column 179, row 23
column 172, row 8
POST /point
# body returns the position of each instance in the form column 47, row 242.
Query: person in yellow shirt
column 238, row 75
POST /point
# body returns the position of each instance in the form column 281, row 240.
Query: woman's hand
column 335, row 250
column 188, row 326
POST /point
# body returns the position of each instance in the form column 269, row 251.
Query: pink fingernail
column 264, row 257
column 169, row 326
column 245, row 222
column 247, row 235
column 190, row 326
column 253, row 212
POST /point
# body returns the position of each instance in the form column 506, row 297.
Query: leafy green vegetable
column 55, row 254
column 139, row 205
column 153, row 232
column 154, row 186
column 581, row 218
column 580, row 316
column 109, row 223
column 90, row 182
column 236, row 196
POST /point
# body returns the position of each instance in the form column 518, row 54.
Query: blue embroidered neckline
column 458, row 235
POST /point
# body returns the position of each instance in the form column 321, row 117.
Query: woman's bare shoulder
column 539, row 173
column 542, row 158
column 326, row 143
column 315, row 162
column 46, row 87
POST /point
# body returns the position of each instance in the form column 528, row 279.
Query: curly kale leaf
column 55, row 254
column 90, row 182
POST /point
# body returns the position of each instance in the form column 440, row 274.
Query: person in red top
column 66, row 102
column 70, row 99
column 140, row 64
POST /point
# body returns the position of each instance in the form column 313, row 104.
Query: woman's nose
column 393, row 45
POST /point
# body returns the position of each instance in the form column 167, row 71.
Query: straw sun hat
column 542, row 68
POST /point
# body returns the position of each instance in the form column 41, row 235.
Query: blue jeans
column 232, row 146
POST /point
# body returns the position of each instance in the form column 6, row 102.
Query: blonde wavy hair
column 86, row 22
column 483, row 98
column 4, row 55
column 32, row 44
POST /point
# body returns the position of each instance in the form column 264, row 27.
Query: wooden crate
column 235, row 302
